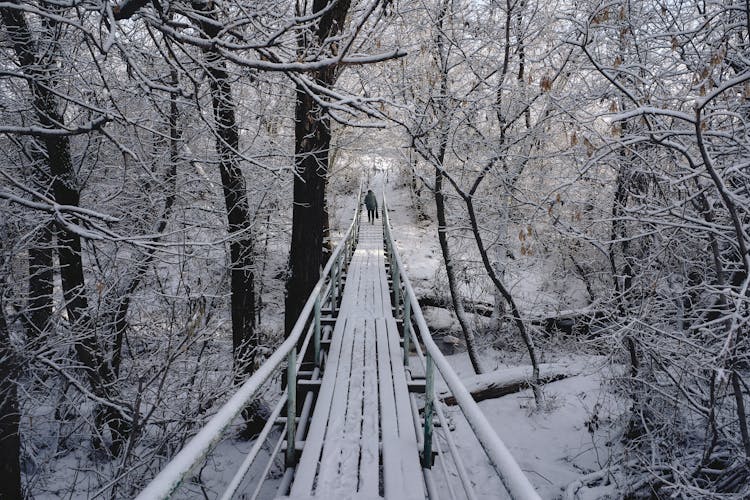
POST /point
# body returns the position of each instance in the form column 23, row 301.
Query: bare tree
column 39, row 70
column 678, row 145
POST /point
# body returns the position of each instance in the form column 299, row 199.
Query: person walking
column 372, row 206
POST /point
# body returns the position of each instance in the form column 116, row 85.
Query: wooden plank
column 371, row 255
column 363, row 411
column 352, row 286
column 350, row 449
column 329, row 475
column 409, row 455
column 369, row 473
column 308, row 464
column 363, row 296
column 393, row 480
column 338, row 475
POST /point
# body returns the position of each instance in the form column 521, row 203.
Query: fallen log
column 566, row 322
column 509, row 380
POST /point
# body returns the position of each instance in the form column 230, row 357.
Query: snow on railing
column 195, row 451
column 508, row 470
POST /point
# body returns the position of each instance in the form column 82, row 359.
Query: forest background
column 170, row 173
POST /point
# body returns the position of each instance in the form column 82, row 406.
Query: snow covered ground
column 577, row 430
column 575, row 433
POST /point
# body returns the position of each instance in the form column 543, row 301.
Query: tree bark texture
column 244, row 335
column 10, row 441
column 40, row 282
column 312, row 142
column 312, row 139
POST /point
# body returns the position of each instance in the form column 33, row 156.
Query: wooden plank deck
column 361, row 442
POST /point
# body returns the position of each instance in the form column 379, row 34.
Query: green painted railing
column 326, row 291
column 415, row 328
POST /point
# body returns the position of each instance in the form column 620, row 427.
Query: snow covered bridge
column 358, row 414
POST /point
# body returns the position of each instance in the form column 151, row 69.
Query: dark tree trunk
column 244, row 339
column 39, row 305
column 10, row 442
column 40, row 282
column 622, row 278
column 312, row 141
column 244, row 336
column 243, row 304
column 458, row 306
column 328, row 245
column 65, row 189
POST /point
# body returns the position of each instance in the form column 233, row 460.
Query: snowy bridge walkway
column 363, row 417
column 363, row 425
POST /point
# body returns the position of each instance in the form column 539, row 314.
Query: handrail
column 513, row 478
column 172, row 475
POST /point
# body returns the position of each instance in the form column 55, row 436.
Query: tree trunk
column 458, row 305
column 244, row 336
column 510, row 380
column 312, row 139
column 312, row 142
column 65, row 189
column 39, row 305
column 622, row 286
column 10, row 442
column 515, row 312
column 40, row 282
column 502, row 254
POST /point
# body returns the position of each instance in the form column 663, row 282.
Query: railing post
column 339, row 267
column 332, row 281
column 316, row 330
column 396, row 287
column 387, row 232
column 429, row 409
column 359, row 212
column 405, row 328
column 291, row 408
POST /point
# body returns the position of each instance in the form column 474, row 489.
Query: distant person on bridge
column 372, row 206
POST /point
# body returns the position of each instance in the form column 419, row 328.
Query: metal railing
column 406, row 308
column 326, row 291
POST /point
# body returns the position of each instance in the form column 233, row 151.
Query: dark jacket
column 370, row 201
